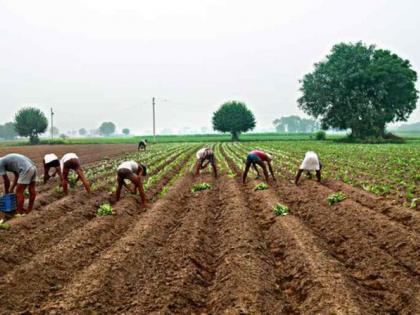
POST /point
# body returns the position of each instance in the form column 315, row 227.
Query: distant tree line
column 295, row 124
column 8, row 131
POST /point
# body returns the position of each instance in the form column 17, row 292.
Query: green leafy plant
column 280, row 209
column 105, row 209
column 72, row 179
column 200, row 187
column 4, row 225
column 261, row 186
column 336, row 197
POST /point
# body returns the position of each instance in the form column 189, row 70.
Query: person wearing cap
column 132, row 171
column 261, row 158
column 51, row 161
column 205, row 156
column 25, row 176
column 70, row 161
column 310, row 163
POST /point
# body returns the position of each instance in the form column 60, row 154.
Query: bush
column 320, row 135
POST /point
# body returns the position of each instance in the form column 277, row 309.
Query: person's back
column 261, row 154
column 130, row 165
column 14, row 162
column 310, row 162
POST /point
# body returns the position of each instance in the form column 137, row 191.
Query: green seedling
column 105, row 209
column 200, row 187
column 4, row 225
column 335, row 198
column 280, row 209
column 73, row 179
column 261, row 186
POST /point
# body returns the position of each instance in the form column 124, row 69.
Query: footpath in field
column 217, row 251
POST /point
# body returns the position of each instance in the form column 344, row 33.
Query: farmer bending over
column 310, row 163
column 134, row 172
column 25, row 175
column 70, row 161
column 205, row 156
column 257, row 157
column 51, row 161
column 142, row 145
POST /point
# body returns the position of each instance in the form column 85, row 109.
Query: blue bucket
column 8, row 203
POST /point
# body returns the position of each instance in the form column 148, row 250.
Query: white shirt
column 68, row 156
column 48, row 158
column 202, row 153
column 310, row 162
column 129, row 165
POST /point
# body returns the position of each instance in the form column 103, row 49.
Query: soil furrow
column 78, row 249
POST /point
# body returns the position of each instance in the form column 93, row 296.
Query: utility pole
column 52, row 124
column 154, row 120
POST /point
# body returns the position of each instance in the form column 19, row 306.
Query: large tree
column 82, row 132
column 233, row 117
column 107, row 128
column 361, row 88
column 30, row 122
column 126, row 131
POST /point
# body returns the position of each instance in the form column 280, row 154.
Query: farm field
column 221, row 250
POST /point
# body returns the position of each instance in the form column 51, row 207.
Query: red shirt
column 262, row 155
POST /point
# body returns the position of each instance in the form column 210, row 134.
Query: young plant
column 72, row 179
column 200, row 187
column 261, row 186
column 335, row 198
column 4, row 225
column 280, row 209
column 105, row 209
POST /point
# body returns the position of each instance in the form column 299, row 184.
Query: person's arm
column 46, row 170
column 270, row 167
column 256, row 170
column 198, row 167
column 15, row 179
column 299, row 173
column 6, row 182
column 247, row 166
column 204, row 165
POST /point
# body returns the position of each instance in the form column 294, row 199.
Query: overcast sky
column 97, row 61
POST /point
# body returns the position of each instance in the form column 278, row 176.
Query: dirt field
column 219, row 251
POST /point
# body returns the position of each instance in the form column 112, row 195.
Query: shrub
column 3, row 225
column 320, row 135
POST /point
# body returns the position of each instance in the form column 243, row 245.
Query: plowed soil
column 218, row 251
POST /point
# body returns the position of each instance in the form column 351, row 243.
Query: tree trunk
column 235, row 136
column 33, row 139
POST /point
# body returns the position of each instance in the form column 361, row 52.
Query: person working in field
column 257, row 157
column 132, row 171
column 310, row 163
column 25, row 176
column 205, row 156
column 51, row 161
column 70, row 161
column 142, row 145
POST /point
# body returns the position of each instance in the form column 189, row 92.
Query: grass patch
column 200, row 187
column 335, row 198
column 280, row 209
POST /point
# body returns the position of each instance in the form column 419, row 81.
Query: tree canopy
column 30, row 122
column 107, row 128
column 233, row 117
column 8, row 131
column 361, row 88
column 82, row 132
column 126, row 131
column 295, row 124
